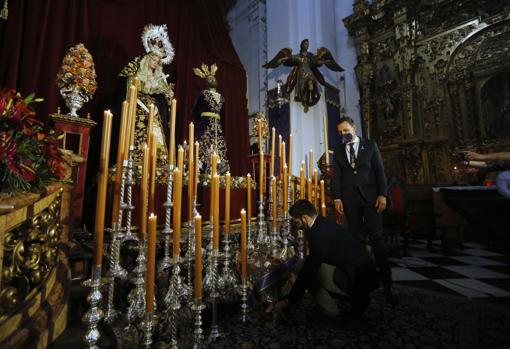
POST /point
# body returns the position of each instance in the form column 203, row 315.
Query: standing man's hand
column 471, row 155
column 380, row 203
column 339, row 207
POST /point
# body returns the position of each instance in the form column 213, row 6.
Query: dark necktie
column 352, row 153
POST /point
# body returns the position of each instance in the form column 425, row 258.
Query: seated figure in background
column 153, row 89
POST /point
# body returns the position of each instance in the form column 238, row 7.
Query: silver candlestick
column 116, row 271
column 166, row 262
column 128, row 205
column 136, row 297
column 262, row 238
column 198, row 336
column 244, row 300
column 286, row 252
column 94, row 314
column 270, row 203
column 214, row 294
column 176, row 292
column 228, row 278
column 147, row 327
column 249, row 241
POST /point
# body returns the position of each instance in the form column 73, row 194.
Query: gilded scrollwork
column 30, row 253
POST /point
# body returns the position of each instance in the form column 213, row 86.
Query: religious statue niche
column 153, row 89
column 495, row 98
column 305, row 74
column 208, row 109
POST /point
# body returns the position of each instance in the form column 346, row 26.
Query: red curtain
column 37, row 34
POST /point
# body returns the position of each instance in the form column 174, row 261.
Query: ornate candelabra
column 198, row 336
column 166, row 262
column 136, row 297
column 128, row 204
column 116, row 271
column 94, row 314
column 286, row 253
column 147, row 327
column 262, row 238
column 177, row 291
column 244, row 300
column 214, row 294
column 228, row 278
column 249, row 241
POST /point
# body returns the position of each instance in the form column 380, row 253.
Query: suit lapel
column 343, row 155
column 361, row 152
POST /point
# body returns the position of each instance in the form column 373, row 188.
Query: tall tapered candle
column 227, row 203
column 280, row 158
column 144, row 191
column 275, row 202
column 177, row 192
column 216, row 228
column 261, row 175
column 323, row 199
column 195, row 181
column 284, row 161
column 152, row 188
column 180, row 159
column 244, row 255
column 151, row 264
column 326, row 141
column 121, row 155
column 150, row 125
column 248, row 196
column 191, row 170
column 290, row 155
column 198, row 256
column 309, row 190
column 285, row 189
column 271, row 169
column 214, row 166
column 302, row 181
column 101, row 187
column 315, row 188
column 132, row 110
column 310, row 165
column 171, row 146
column 259, row 127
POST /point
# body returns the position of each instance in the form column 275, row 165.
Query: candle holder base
column 94, row 314
column 198, row 334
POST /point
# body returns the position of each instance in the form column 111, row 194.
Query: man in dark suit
column 359, row 190
column 337, row 264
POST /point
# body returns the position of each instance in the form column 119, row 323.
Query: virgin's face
column 304, row 45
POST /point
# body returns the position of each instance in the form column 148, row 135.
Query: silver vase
column 74, row 99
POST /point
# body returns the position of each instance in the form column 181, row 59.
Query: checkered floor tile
column 475, row 272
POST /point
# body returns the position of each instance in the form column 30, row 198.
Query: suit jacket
column 366, row 179
column 332, row 244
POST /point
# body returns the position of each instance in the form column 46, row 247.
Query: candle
column 227, row 203
column 248, row 188
column 180, row 159
column 309, row 190
column 195, row 181
column 216, row 228
column 171, row 147
column 261, row 175
column 132, row 111
column 290, row 155
column 275, row 202
column 214, row 161
column 101, row 187
column 121, row 155
column 326, row 142
column 285, row 189
column 150, row 126
column 271, row 171
column 259, row 124
column 244, row 255
column 302, row 181
column 191, row 170
column 143, row 191
column 280, row 164
column 152, row 189
column 315, row 188
column 323, row 199
column 177, row 193
column 310, row 165
column 284, row 161
column 151, row 264
column 198, row 256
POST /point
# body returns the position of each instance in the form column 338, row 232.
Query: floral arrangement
column 78, row 71
column 29, row 155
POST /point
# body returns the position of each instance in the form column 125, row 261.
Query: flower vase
column 74, row 100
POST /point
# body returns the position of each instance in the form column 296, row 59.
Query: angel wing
column 281, row 57
column 325, row 57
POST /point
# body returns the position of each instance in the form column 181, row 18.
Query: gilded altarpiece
column 434, row 78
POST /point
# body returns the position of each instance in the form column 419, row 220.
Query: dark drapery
column 37, row 34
